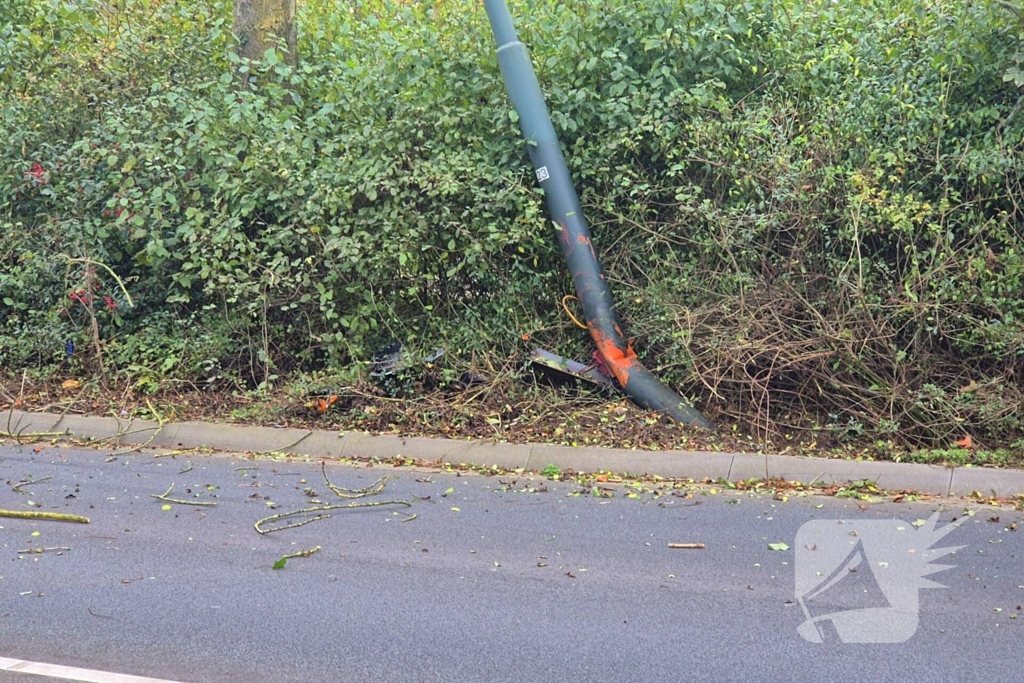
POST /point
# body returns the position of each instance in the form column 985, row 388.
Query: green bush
column 809, row 210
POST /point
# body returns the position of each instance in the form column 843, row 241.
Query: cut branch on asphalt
column 317, row 509
column 52, row 516
column 371, row 490
column 17, row 487
column 163, row 497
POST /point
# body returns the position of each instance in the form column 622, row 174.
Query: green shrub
column 809, row 211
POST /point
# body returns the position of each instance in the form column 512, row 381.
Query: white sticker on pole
column 542, row 174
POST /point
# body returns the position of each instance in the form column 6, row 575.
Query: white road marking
column 72, row 673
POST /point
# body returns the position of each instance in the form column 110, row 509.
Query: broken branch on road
column 163, row 497
column 160, row 421
column 371, row 490
column 52, row 516
column 17, row 487
column 302, row 553
column 320, row 508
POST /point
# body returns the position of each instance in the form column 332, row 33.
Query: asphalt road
column 484, row 584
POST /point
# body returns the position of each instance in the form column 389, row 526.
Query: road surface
column 507, row 578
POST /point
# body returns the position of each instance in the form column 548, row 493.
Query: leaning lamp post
column 563, row 205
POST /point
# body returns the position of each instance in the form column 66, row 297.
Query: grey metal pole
column 573, row 234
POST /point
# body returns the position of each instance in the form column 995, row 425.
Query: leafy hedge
column 809, row 210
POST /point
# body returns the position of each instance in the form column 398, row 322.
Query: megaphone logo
column 886, row 560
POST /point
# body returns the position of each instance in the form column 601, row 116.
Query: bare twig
column 284, row 449
column 686, row 546
column 53, row 516
column 371, row 490
column 90, row 262
column 317, row 509
column 163, row 497
column 17, row 487
column 160, row 426
column 20, row 435
column 301, row 553
column 38, row 551
column 183, row 451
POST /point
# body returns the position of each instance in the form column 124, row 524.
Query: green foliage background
column 810, row 211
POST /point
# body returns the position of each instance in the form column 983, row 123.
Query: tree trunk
column 259, row 24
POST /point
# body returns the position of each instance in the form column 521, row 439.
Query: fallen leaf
column 71, row 384
column 918, row 522
column 964, row 442
column 456, row 510
column 778, row 546
column 165, row 507
column 281, row 563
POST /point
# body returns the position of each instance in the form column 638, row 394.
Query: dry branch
column 371, row 490
column 160, row 427
column 52, row 516
column 163, row 497
column 17, row 487
column 301, row 553
column 317, row 509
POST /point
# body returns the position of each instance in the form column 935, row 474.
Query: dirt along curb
column 934, row 479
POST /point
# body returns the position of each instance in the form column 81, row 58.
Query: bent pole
column 573, row 234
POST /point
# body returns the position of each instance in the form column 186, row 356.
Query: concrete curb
column 670, row 464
